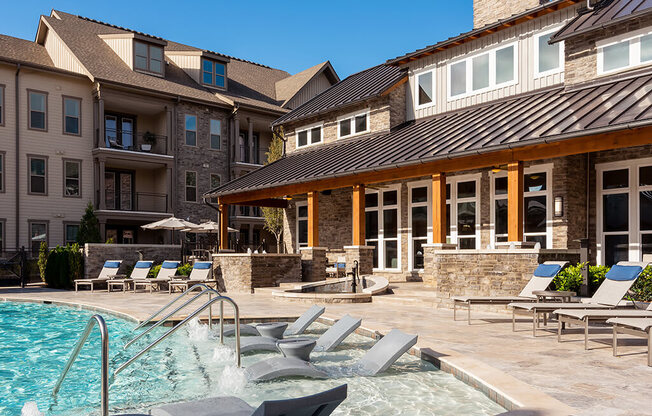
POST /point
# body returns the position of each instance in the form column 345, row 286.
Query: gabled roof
column 25, row 52
column 288, row 87
column 358, row 87
column 605, row 13
column 544, row 116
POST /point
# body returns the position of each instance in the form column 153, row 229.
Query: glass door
column 127, row 129
column 615, row 215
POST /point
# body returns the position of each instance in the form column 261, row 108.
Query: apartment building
column 138, row 125
column 465, row 162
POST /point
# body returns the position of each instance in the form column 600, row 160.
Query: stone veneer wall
column 96, row 254
column 242, row 272
column 490, row 11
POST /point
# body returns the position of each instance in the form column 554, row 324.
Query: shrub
column 642, row 289
column 596, row 277
column 570, row 278
column 185, row 269
column 42, row 259
column 76, row 261
column 57, row 270
column 89, row 227
column 153, row 272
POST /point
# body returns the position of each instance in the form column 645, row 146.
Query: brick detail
column 242, row 273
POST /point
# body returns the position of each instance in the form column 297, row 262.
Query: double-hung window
column 216, row 134
column 623, row 52
column 38, row 110
column 148, row 57
column 309, row 135
column 72, row 178
column 38, row 232
column 425, row 89
column 382, row 227
column 463, row 211
column 191, row 186
column 213, row 73
column 353, row 124
column 548, row 59
column 302, row 225
column 191, row 130
column 482, row 72
column 419, row 222
column 72, row 116
column 70, row 233
column 38, row 175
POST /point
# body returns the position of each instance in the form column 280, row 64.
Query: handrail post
column 222, row 322
column 210, row 312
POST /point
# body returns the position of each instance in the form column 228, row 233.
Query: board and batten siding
column 123, row 47
column 524, row 34
column 191, row 64
column 8, row 148
column 313, row 88
column 61, row 55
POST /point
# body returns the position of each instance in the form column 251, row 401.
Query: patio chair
column 109, row 270
column 338, row 269
column 296, row 328
column 165, row 274
column 641, row 327
column 140, row 271
column 541, row 278
column 611, row 292
column 200, row 273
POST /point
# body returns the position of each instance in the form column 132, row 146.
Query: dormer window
column 353, row 124
column 148, row 57
column 213, row 73
column 627, row 51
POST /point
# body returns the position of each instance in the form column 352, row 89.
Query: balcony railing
column 143, row 201
column 134, row 142
column 246, row 211
column 249, row 155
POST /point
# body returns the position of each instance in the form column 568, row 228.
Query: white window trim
column 634, row 232
column 186, row 130
column 298, row 205
column 418, row 106
column 352, row 116
column 308, row 129
column 453, row 200
column 546, row 168
column 428, row 203
column 468, row 59
column 210, row 134
column 381, row 232
column 634, row 39
column 562, row 55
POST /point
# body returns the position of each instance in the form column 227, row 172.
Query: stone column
column 313, row 263
column 365, row 257
column 102, row 186
column 431, row 267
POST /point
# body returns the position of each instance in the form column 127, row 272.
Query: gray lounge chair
column 611, row 292
column 200, row 273
column 296, row 328
column 109, row 270
column 378, row 359
column 320, row 404
column 140, row 271
column 541, row 278
column 641, row 327
column 165, row 274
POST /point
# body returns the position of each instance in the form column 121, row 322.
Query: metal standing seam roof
column 355, row 88
column 549, row 115
column 605, row 13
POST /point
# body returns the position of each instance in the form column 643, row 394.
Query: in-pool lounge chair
column 541, row 279
column 200, row 273
column 165, row 274
column 320, row 404
column 296, row 328
column 640, row 327
column 140, row 271
column 109, row 270
column 611, row 292
column 379, row 358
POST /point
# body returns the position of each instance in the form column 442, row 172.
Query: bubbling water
column 30, row 409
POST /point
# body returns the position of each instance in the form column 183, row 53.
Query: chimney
column 490, row 11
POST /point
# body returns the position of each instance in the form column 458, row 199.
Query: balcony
column 248, row 155
column 126, row 140
column 136, row 202
column 246, row 211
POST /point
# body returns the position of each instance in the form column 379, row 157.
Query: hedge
column 571, row 279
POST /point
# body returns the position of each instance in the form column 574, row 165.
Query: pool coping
column 503, row 389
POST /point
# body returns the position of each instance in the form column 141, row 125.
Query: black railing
column 249, row 155
column 135, row 142
column 14, row 267
column 151, row 202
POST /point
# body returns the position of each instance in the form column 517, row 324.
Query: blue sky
column 353, row 35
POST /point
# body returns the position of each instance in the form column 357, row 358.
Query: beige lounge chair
column 609, row 295
column 165, row 274
column 338, row 269
column 140, row 271
column 201, row 271
column 640, row 327
column 541, row 279
column 109, row 270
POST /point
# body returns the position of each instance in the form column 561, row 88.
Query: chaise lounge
column 165, row 274
column 140, row 271
column 200, row 273
column 109, row 270
column 641, row 327
column 296, row 328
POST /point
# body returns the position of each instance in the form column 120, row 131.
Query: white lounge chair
column 296, row 328
column 140, row 271
column 109, row 270
column 541, row 278
column 640, row 327
column 611, row 292
column 338, row 269
column 165, row 274
column 201, row 272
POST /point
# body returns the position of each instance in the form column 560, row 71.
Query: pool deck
column 540, row 374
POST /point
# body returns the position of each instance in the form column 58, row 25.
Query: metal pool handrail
column 104, row 332
column 236, row 314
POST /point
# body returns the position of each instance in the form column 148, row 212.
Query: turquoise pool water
column 36, row 340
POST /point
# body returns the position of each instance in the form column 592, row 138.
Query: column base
column 441, row 246
column 516, row 245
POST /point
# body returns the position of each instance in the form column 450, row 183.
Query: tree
column 274, row 216
column 89, row 227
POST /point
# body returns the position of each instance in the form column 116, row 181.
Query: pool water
column 37, row 339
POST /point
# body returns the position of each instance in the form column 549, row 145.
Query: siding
column 61, row 55
column 189, row 63
column 124, row 48
column 309, row 91
column 523, row 34
column 7, row 145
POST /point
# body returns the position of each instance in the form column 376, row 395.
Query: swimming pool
column 37, row 339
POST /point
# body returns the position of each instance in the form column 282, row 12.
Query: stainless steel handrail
column 236, row 315
column 104, row 332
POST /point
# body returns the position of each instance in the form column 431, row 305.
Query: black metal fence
column 16, row 267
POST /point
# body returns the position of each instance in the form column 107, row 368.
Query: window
column 72, row 178
column 2, row 171
column 38, row 109
column 38, row 181
column 2, row 105
column 463, row 211
column 70, row 233
column 382, row 227
column 213, row 73
column 119, row 131
column 38, row 233
column 353, row 124
column 148, row 57
column 302, row 225
column 216, row 181
column 191, row 186
column 419, row 222
column 623, row 52
column 548, row 58
column 309, row 135
column 425, row 89
column 72, row 116
column 191, row 130
column 624, row 221
column 216, row 134
column 482, row 72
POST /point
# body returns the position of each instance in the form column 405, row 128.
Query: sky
column 289, row 35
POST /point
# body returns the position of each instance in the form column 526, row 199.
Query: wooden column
column 224, row 226
column 313, row 219
column 439, row 208
column 515, row 201
column 358, row 215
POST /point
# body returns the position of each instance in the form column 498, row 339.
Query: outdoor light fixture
column 498, row 169
column 559, row 206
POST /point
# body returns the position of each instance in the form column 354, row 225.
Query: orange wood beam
column 515, row 201
column 359, row 215
column 439, row 208
column 224, row 226
column 313, row 219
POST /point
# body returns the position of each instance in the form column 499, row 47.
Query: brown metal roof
column 545, row 116
column 354, row 88
column 604, row 13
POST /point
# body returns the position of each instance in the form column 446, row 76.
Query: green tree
column 274, row 216
column 89, row 227
column 43, row 254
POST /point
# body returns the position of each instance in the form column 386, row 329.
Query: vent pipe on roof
column 588, row 5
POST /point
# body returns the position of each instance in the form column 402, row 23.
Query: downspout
column 588, row 5
column 17, row 111
column 230, row 142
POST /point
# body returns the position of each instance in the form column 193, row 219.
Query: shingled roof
column 26, row 52
column 504, row 124
column 290, row 86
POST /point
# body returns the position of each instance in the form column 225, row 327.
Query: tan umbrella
column 209, row 227
column 173, row 224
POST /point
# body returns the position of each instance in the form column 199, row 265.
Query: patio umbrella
column 173, row 224
column 209, row 227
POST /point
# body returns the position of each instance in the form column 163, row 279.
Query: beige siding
column 124, row 48
column 61, row 55
column 7, row 145
column 315, row 87
column 189, row 63
column 522, row 34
